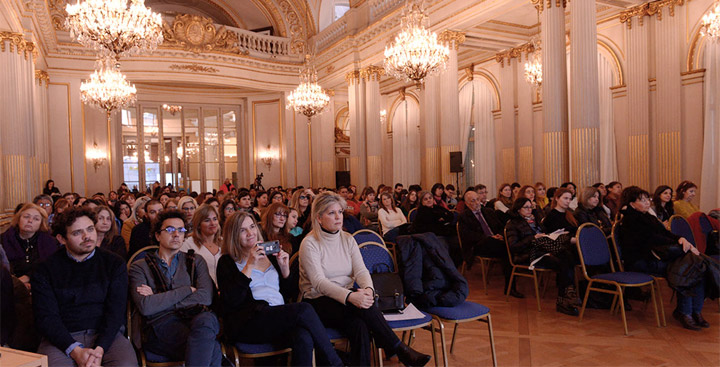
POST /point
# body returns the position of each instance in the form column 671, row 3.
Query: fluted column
column 450, row 105
column 323, row 146
column 585, row 108
column 429, row 133
column 371, row 76
column 638, row 103
column 555, row 96
column 17, row 130
column 42, row 128
column 358, row 151
column 506, row 142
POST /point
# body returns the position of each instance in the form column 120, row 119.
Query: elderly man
column 481, row 235
column 79, row 296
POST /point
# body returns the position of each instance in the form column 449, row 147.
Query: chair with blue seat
column 526, row 271
column 594, row 251
column 253, row 351
column 681, row 227
column 366, row 235
column 378, row 259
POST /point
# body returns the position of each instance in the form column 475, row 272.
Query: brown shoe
column 700, row 321
column 686, row 321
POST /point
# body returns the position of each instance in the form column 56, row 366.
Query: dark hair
column 597, row 184
column 449, row 187
column 631, row 194
column 398, row 185
column 77, row 200
column 150, row 202
column 258, row 195
column 48, row 183
column 514, row 185
column 683, row 188
column 657, row 202
column 415, row 187
column 67, row 218
column 242, row 193
column 438, row 186
column 93, row 201
column 612, row 183
column 480, row 187
column 550, row 192
column 566, row 184
column 568, row 213
column 118, row 204
column 211, row 200
column 40, row 197
column 163, row 216
column 518, row 204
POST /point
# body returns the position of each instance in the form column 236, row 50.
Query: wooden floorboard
column 526, row 337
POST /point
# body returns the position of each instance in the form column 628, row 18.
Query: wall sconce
column 173, row 109
column 267, row 156
column 96, row 156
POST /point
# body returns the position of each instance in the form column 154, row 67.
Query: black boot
column 686, row 321
column 410, row 357
column 572, row 296
column 565, row 305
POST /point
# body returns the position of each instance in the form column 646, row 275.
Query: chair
column 252, row 351
column 134, row 320
column 522, row 270
column 681, row 227
column 411, row 215
column 465, row 312
column 366, row 235
column 484, row 262
column 594, row 251
column 617, row 250
column 377, row 258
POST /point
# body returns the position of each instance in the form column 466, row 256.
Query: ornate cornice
column 514, row 53
column 547, row 4
column 42, row 76
column 649, row 9
column 198, row 34
column 57, row 13
column 452, row 38
column 195, row 68
column 371, row 72
column 17, row 42
column 352, row 77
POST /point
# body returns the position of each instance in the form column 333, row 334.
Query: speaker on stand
column 456, row 167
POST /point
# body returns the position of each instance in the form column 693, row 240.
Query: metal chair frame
column 524, row 271
column 486, row 318
column 410, row 213
column 485, row 262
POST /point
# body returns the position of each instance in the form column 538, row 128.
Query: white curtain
column 406, row 143
column 484, row 160
column 710, row 179
column 608, row 156
column 466, row 99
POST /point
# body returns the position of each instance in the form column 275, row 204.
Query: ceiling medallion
column 308, row 98
column 415, row 52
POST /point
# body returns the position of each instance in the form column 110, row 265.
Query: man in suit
column 481, row 235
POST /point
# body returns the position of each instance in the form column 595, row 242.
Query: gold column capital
column 452, row 38
column 371, row 72
column 541, row 5
column 42, row 76
column 17, row 42
column 352, row 77
column 515, row 53
column 649, row 9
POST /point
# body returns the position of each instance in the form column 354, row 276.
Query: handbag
column 389, row 296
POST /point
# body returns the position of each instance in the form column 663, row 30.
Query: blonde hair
column 113, row 227
column 44, row 227
column 202, row 213
column 231, row 234
column 139, row 204
column 321, row 204
column 184, row 200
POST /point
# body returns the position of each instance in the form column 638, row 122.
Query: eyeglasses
column 170, row 230
column 45, row 205
column 283, row 215
column 527, row 207
column 303, row 197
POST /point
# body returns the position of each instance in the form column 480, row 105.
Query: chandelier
column 107, row 88
column 533, row 69
column 308, row 98
column 415, row 52
column 711, row 23
column 112, row 28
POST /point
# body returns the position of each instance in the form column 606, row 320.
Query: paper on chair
column 409, row 313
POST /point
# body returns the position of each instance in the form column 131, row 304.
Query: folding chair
column 485, row 262
column 594, row 251
column 523, row 270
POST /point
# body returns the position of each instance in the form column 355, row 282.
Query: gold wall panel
column 669, row 162
column 432, row 166
column 585, row 152
column 639, row 160
column 374, row 170
column 525, row 164
column 508, row 164
column 556, row 157
column 15, row 172
column 354, row 171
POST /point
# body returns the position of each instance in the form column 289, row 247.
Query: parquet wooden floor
column 526, row 337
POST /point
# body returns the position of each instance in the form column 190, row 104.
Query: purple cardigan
column 46, row 245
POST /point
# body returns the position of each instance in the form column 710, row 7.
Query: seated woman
column 644, row 240
column 273, row 223
column 251, row 288
column 301, row 202
column 138, row 212
column 205, row 239
column 541, row 195
column 330, row 263
column 107, row 232
column 662, row 205
column 684, row 195
column 432, row 217
column 589, row 210
column 528, row 243
column 560, row 215
column 277, row 197
column 227, row 208
column 438, row 192
column 369, row 209
column 391, row 218
column 528, row 191
column 409, row 201
column 188, row 205
column 261, row 202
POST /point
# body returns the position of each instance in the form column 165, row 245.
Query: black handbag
column 389, row 295
column 668, row 253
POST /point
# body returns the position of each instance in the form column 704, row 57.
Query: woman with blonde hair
column 253, row 286
column 273, row 226
column 330, row 265
column 107, row 232
column 541, row 195
column 301, row 202
column 205, row 240
column 188, row 205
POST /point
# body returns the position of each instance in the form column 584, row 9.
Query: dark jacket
column 44, row 243
column 140, row 237
column 520, row 235
column 595, row 216
column 429, row 276
column 471, row 232
column 116, row 245
column 687, row 271
column 555, row 220
column 639, row 233
column 236, row 297
column 437, row 220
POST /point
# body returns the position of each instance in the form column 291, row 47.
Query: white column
column 323, row 147
column 429, row 133
column 358, row 151
column 17, row 130
column 709, row 187
column 638, row 103
column 506, row 141
column 373, row 138
column 555, row 96
column 585, row 109
column 450, row 106
column 41, row 128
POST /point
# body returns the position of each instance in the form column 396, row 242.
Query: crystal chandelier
column 107, row 88
column 533, row 69
column 112, row 28
column 308, row 98
column 711, row 23
column 415, row 52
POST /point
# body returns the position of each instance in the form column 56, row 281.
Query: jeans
column 193, row 341
column 120, row 353
column 685, row 304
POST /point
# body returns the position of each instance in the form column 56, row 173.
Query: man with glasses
column 45, row 202
column 140, row 236
column 172, row 290
column 79, row 297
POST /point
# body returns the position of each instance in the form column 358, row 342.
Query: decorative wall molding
column 17, row 42
column 352, row 77
column 197, row 34
column 452, row 38
column 195, row 68
column 42, row 76
column 372, row 72
column 514, row 53
column 649, row 9
column 547, row 4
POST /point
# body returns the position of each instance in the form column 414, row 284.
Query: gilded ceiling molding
column 195, row 68
column 17, row 42
column 514, row 53
column 57, row 13
column 372, row 72
column 197, row 34
column 352, row 77
column 452, row 38
column 547, row 4
column 649, row 9
column 42, row 76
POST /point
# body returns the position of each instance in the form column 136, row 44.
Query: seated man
column 481, row 235
column 173, row 290
column 79, row 296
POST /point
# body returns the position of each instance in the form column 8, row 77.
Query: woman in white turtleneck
column 330, row 263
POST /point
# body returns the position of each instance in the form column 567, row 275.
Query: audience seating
column 523, row 270
column 411, row 215
column 681, row 227
column 253, row 351
column 366, row 235
column 594, row 251
column 485, row 262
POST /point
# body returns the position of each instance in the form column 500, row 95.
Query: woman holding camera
column 252, row 285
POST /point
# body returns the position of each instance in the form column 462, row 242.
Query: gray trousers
column 120, row 353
